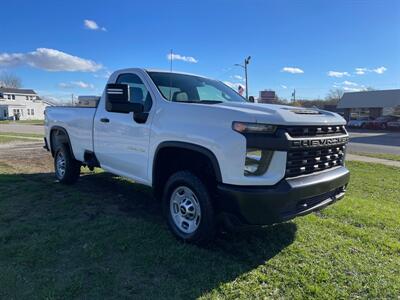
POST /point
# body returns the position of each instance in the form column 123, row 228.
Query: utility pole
column 246, row 62
column 294, row 95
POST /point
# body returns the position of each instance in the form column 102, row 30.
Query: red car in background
column 381, row 122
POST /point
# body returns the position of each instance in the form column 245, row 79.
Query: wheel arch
column 176, row 146
column 59, row 134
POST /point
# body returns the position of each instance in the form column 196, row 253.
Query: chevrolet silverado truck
column 210, row 156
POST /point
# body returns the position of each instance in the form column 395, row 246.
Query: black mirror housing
column 124, row 107
column 117, row 99
column 251, row 99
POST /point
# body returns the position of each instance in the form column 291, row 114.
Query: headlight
column 257, row 162
column 244, row 127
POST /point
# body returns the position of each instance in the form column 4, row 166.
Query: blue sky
column 312, row 46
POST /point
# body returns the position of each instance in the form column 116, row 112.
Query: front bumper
column 286, row 200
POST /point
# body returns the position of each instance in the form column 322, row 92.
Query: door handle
column 105, row 120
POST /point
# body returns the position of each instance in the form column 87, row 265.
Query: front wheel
column 67, row 169
column 188, row 208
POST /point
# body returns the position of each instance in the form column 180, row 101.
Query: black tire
column 69, row 173
column 206, row 228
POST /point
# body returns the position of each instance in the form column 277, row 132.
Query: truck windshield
column 193, row 89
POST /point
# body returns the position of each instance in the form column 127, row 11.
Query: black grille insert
column 309, row 131
column 306, row 161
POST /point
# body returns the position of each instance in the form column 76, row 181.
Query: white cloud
column 106, row 74
column 283, row 86
column 353, row 89
column 76, row 84
column 350, row 83
column 92, row 25
column 337, row 74
column 292, row 70
column 83, row 85
column 350, row 89
column 349, row 86
column 238, row 77
column 363, row 71
column 379, row 70
column 49, row 60
column 188, row 59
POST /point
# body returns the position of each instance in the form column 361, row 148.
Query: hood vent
column 305, row 111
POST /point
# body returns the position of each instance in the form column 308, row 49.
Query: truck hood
column 284, row 115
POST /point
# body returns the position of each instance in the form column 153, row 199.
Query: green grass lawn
column 379, row 155
column 30, row 122
column 105, row 238
column 7, row 137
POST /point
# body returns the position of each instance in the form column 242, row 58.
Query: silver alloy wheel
column 185, row 209
column 60, row 164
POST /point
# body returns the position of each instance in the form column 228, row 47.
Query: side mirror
column 251, row 99
column 117, row 99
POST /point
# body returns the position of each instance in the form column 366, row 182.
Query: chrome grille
column 306, row 161
column 309, row 131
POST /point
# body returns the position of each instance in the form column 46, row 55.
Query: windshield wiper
column 201, row 101
column 211, row 101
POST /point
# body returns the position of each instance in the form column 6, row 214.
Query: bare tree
column 10, row 80
column 334, row 95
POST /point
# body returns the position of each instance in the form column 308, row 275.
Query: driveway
column 22, row 128
column 369, row 141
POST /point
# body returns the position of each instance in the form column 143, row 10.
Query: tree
column 10, row 80
column 334, row 95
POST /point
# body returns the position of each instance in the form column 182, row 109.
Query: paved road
column 374, row 142
column 22, row 128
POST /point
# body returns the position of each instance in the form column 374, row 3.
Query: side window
column 137, row 90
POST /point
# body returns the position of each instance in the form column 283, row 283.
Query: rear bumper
column 292, row 197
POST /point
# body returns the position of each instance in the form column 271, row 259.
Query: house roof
column 370, row 99
column 17, row 91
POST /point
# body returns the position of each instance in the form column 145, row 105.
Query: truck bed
column 78, row 121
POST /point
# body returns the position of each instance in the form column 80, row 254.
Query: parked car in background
column 381, row 122
column 359, row 123
column 394, row 124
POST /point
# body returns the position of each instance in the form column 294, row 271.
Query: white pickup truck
column 208, row 154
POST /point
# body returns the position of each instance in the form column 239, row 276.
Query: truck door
column 121, row 144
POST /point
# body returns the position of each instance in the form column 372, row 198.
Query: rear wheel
column 188, row 208
column 67, row 169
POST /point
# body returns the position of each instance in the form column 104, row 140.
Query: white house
column 21, row 104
